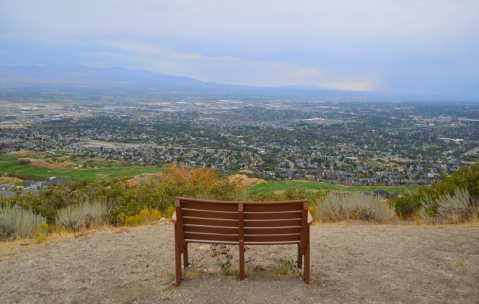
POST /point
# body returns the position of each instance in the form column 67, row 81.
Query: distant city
column 341, row 138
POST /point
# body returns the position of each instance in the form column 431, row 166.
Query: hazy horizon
column 411, row 47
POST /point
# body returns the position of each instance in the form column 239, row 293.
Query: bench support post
column 185, row 256
column 307, row 259
column 241, row 241
column 177, row 259
column 300, row 258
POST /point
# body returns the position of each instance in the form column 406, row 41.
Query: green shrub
column 465, row 178
column 81, row 216
column 355, row 206
column 408, row 204
column 16, row 222
column 23, row 161
column 450, row 209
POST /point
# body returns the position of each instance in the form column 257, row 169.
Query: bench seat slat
column 218, row 206
column 272, row 243
column 272, row 215
column 211, row 229
column 214, row 242
column 267, row 238
column 210, row 214
column 272, row 230
column 219, row 238
column 272, row 223
column 210, row 222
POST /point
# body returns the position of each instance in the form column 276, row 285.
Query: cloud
column 309, row 72
column 395, row 45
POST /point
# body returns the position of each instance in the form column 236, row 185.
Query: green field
column 100, row 171
column 273, row 186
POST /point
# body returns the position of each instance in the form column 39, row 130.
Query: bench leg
column 177, row 261
column 300, row 258
column 241, row 261
column 307, row 261
column 185, row 256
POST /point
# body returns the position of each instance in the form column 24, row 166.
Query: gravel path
column 351, row 263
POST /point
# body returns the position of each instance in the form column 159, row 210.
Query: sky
column 425, row 47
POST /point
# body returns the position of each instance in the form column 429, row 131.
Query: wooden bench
column 241, row 223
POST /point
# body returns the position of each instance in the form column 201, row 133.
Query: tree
column 465, row 177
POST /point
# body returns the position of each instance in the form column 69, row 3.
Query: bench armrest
column 310, row 219
column 173, row 217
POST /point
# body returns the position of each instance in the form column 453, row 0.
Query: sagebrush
column 449, row 209
column 354, row 206
column 85, row 215
column 16, row 222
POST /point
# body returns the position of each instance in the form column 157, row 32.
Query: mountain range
column 79, row 74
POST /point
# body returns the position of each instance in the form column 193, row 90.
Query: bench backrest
column 254, row 223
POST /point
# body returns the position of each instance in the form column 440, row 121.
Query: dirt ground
column 352, row 262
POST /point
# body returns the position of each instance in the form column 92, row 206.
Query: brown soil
column 351, row 263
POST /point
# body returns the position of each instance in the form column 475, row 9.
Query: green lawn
column 273, row 186
column 60, row 152
column 8, row 157
column 104, row 173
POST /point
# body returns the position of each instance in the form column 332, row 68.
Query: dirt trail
column 351, row 263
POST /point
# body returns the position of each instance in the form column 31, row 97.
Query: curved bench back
column 230, row 222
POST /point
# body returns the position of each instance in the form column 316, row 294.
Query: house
column 31, row 184
column 381, row 193
column 56, row 181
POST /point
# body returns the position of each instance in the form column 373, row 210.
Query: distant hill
column 74, row 73
column 307, row 87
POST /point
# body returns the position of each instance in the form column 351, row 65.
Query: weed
column 42, row 232
column 224, row 256
column 287, row 267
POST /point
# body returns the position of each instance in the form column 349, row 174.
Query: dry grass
column 245, row 180
column 5, row 180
